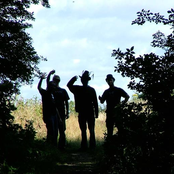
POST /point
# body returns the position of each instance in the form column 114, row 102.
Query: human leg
column 62, row 138
column 52, row 129
column 91, row 127
column 49, row 130
column 109, row 126
column 55, row 129
column 82, row 125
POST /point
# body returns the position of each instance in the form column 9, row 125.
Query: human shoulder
column 114, row 89
column 118, row 88
column 105, row 93
column 63, row 92
column 91, row 88
column 121, row 91
column 42, row 91
column 61, row 89
column 77, row 86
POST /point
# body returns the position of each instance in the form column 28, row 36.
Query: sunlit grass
column 73, row 133
column 32, row 110
column 50, row 155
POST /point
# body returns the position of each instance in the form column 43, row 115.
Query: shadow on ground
column 79, row 162
column 70, row 160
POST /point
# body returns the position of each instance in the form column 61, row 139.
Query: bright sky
column 77, row 35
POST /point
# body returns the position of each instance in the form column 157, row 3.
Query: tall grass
column 43, row 157
column 31, row 109
column 73, row 133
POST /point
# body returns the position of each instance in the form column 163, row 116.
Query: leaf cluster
column 150, row 74
column 17, row 52
column 18, row 58
column 140, row 145
column 18, row 65
column 145, row 138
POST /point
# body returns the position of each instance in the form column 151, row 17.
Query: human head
column 51, row 86
column 85, row 78
column 110, row 79
column 56, row 78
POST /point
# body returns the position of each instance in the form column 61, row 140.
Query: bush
column 140, row 145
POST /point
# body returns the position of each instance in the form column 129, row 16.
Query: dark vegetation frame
column 144, row 142
column 18, row 66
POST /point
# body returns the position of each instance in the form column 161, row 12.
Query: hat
column 85, row 75
column 109, row 76
column 56, row 77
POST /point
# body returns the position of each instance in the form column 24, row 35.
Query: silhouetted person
column 86, row 105
column 112, row 96
column 50, row 112
column 61, row 99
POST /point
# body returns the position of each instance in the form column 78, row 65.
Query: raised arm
column 71, row 82
column 40, row 82
column 49, row 75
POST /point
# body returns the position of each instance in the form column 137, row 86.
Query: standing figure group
column 58, row 100
column 55, row 107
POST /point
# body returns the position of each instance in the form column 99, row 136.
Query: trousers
column 87, row 119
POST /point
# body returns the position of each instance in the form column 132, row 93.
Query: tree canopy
column 145, row 140
column 18, row 58
column 18, row 65
column 154, row 72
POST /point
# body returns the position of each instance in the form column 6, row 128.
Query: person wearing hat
column 86, row 105
column 50, row 112
column 61, row 99
column 112, row 96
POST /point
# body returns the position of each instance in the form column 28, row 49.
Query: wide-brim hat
column 109, row 76
column 85, row 75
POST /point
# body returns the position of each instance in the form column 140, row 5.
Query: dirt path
column 80, row 162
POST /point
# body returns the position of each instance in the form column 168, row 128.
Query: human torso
column 113, row 96
column 84, row 98
column 60, row 97
column 47, row 103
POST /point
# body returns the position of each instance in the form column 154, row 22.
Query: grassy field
column 32, row 110
column 52, row 159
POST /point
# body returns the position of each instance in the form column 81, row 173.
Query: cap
column 109, row 76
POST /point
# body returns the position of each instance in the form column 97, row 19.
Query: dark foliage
column 18, row 65
column 17, row 148
column 141, row 144
column 145, row 138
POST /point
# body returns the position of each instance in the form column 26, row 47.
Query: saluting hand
column 43, row 76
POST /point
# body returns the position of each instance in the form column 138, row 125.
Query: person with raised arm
column 61, row 100
column 86, row 105
column 50, row 112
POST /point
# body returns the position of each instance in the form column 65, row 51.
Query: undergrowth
column 24, row 149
